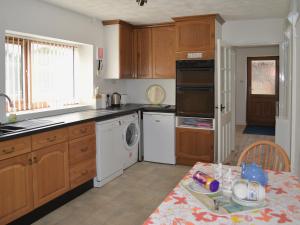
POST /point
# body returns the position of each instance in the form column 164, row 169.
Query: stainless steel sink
column 11, row 128
column 26, row 125
column 6, row 129
column 2, row 132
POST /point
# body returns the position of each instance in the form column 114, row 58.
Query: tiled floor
column 243, row 140
column 128, row 200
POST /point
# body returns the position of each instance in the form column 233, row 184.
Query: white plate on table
column 197, row 188
column 248, row 203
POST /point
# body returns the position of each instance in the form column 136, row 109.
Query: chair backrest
column 266, row 154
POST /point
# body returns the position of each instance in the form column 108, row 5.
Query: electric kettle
column 115, row 99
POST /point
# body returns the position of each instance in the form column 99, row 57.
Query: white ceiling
column 157, row 11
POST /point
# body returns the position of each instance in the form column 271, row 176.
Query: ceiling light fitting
column 141, row 2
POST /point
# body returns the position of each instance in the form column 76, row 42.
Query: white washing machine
column 131, row 138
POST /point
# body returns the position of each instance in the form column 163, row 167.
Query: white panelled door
column 225, row 100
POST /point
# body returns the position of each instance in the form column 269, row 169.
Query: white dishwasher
column 159, row 137
column 109, row 154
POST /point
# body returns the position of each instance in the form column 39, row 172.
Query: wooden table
column 282, row 196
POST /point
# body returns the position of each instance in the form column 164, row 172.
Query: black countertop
column 67, row 119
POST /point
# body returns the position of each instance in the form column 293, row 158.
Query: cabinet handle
column 51, row 139
column 83, row 130
column 8, row 151
column 84, row 172
column 30, row 161
column 157, row 121
column 35, row 160
column 84, row 149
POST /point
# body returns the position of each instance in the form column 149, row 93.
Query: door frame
column 225, row 124
column 249, row 76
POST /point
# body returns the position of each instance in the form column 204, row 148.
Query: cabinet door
column 16, row 194
column 126, row 48
column 50, row 173
column 143, row 51
column 196, row 36
column 163, row 41
column 194, row 145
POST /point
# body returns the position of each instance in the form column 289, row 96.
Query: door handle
column 221, row 108
column 8, row 151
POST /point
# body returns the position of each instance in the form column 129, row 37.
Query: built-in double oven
column 195, row 88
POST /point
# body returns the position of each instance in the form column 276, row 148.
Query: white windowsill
column 39, row 113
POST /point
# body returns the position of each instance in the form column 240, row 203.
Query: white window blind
column 39, row 74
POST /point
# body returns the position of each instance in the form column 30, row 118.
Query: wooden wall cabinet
column 16, row 196
column 154, row 52
column 196, row 34
column 138, row 51
column 118, row 38
column 143, row 53
column 163, row 51
column 126, row 50
column 194, row 145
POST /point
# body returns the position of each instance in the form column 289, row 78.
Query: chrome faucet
column 8, row 98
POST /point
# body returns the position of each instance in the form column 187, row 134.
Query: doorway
column 262, row 90
column 240, row 101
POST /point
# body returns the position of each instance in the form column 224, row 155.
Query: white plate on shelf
column 156, row 94
column 197, row 188
column 248, row 203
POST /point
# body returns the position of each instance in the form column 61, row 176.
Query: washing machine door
column 131, row 135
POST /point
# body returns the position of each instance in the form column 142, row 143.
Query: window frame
column 25, row 44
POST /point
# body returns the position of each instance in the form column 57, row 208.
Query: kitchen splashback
column 136, row 90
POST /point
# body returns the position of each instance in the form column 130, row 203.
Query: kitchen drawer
column 14, row 147
column 82, row 149
column 82, row 172
column 49, row 138
column 81, row 130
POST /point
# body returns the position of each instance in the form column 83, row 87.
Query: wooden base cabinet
column 50, row 173
column 194, row 145
column 36, row 169
column 82, row 156
column 16, row 196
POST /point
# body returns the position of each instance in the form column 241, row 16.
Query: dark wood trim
column 112, row 22
column 189, row 18
column 167, row 24
column 176, row 19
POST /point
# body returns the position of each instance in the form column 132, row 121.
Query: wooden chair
column 267, row 154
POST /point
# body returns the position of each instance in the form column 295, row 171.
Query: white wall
column 39, row 18
column 295, row 122
column 253, row 32
column 136, row 90
column 241, row 75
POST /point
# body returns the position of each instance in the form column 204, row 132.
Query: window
column 39, row 73
column 263, row 77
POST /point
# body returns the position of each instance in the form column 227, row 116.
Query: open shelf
column 195, row 123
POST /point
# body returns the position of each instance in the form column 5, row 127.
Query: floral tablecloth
column 282, row 196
